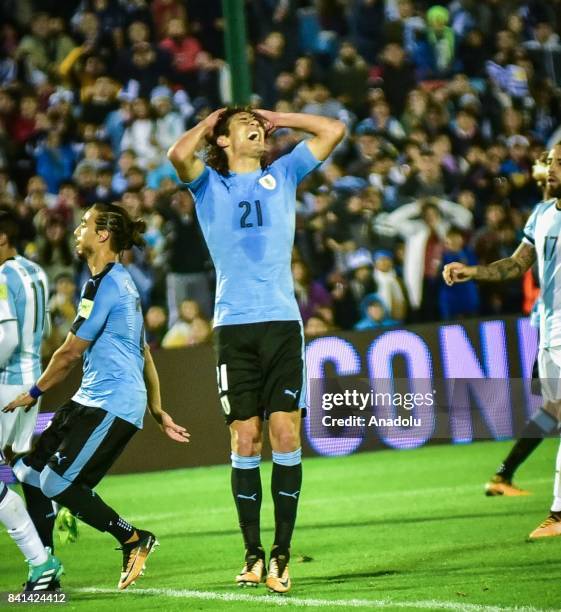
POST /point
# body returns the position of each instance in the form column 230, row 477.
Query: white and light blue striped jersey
column 24, row 294
column 542, row 231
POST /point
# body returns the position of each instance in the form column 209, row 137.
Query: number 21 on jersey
column 252, row 215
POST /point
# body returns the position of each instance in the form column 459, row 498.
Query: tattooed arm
column 502, row 270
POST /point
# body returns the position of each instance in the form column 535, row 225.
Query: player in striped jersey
column 23, row 315
column 542, row 422
column 541, row 241
column 23, row 311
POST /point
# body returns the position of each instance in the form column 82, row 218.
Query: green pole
column 236, row 50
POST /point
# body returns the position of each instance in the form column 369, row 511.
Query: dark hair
column 125, row 232
column 9, row 225
column 215, row 155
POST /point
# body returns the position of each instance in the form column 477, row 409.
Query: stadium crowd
column 447, row 107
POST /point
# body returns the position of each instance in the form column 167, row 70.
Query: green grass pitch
column 387, row 530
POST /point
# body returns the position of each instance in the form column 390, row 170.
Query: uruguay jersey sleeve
column 93, row 310
column 199, row 185
column 530, row 227
column 7, row 301
column 299, row 162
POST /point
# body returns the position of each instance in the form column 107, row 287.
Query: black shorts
column 81, row 443
column 260, row 368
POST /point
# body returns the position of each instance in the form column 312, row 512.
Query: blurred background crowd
column 448, row 107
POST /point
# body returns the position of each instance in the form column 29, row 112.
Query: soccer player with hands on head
column 246, row 209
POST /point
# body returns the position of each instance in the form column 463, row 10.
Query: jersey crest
column 268, row 182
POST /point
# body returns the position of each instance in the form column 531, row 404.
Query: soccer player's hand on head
column 23, row 400
column 173, row 430
column 213, row 118
column 457, row 272
column 270, row 118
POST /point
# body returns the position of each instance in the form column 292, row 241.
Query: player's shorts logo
column 268, row 181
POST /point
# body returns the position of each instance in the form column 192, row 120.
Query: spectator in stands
column 127, row 159
column 348, row 78
column 390, row 287
column 62, row 311
column 191, row 329
column 545, row 52
column 316, row 326
column 201, row 332
column 33, row 50
column 54, row 253
column 441, row 42
column 359, row 265
column 366, row 24
column 164, row 11
column 367, row 145
column 416, row 105
column 310, row 294
column 169, row 123
column 188, row 257
column 140, row 135
column 398, row 77
column 375, row 315
column 184, row 50
column 460, row 300
column 382, row 122
column 179, row 333
column 268, row 63
column 100, row 101
column 155, row 321
column 428, row 178
column 423, row 226
column 55, row 160
column 147, row 70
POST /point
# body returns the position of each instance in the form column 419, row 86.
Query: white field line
column 300, row 602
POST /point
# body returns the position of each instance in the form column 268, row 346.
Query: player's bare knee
column 246, row 439
column 247, row 447
column 284, row 431
column 284, row 437
column 286, row 442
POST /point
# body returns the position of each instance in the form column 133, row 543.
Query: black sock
column 86, row 505
column 247, row 492
column 530, row 438
column 42, row 513
column 286, row 482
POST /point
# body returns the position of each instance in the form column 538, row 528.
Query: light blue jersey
column 24, row 294
column 543, row 232
column 110, row 317
column 248, row 222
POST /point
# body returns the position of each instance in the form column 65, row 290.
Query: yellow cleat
column 278, row 579
column 253, row 572
column 501, row 486
column 135, row 555
column 549, row 528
